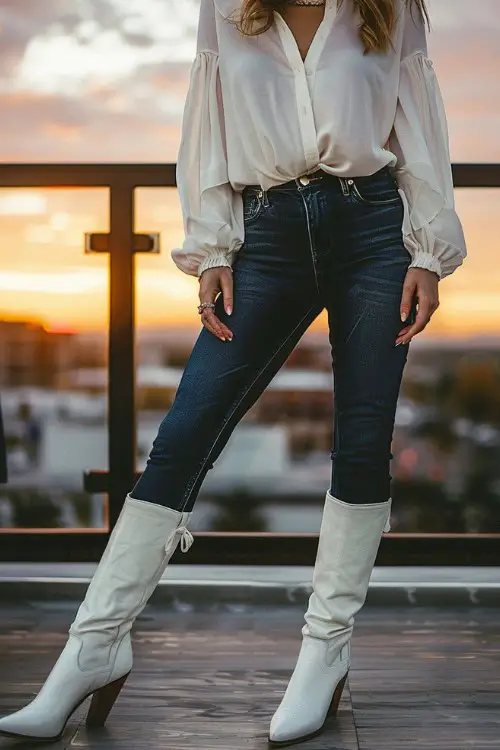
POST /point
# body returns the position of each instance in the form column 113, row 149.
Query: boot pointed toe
column 288, row 729
column 315, row 686
column 29, row 723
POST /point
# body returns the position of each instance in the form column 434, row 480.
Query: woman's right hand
column 213, row 281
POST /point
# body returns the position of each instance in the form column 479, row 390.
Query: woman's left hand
column 423, row 285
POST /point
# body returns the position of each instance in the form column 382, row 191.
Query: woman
column 313, row 173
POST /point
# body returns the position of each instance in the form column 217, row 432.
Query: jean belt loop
column 265, row 198
column 344, row 185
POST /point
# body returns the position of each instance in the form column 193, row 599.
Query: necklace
column 306, row 2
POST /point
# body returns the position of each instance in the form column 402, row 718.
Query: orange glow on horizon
column 46, row 276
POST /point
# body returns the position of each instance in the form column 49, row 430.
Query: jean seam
column 311, row 241
column 237, row 403
column 336, row 442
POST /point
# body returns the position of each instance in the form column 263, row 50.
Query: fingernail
column 404, row 316
column 229, row 310
column 399, row 342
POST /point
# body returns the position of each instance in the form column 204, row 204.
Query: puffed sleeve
column 432, row 231
column 211, row 209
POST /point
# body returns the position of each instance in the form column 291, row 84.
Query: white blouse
column 256, row 114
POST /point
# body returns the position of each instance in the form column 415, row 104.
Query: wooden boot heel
column 103, row 701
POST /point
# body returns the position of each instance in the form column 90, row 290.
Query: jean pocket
column 252, row 205
column 379, row 189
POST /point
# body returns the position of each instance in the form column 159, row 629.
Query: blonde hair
column 378, row 19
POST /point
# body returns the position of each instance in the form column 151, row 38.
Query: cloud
column 92, row 80
column 23, row 20
column 464, row 14
column 118, row 95
column 69, row 129
column 141, row 23
column 467, row 63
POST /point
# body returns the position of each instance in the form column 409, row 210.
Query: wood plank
column 427, row 679
column 210, row 678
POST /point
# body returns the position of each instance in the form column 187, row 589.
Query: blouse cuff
column 194, row 261
column 219, row 257
column 421, row 259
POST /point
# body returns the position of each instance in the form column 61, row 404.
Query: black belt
column 305, row 179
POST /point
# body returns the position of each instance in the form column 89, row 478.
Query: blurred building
column 301, row 400
column 32, row 356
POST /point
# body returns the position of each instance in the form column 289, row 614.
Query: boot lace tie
column 187, row 538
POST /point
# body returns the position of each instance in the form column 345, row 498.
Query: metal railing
column 212, row 547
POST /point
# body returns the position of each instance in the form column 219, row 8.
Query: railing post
column 121, row 365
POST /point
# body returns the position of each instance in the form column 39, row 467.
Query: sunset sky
column 106, row 80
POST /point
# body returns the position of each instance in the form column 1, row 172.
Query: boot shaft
column 348, row 543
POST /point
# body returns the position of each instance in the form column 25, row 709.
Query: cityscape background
column 119, row 97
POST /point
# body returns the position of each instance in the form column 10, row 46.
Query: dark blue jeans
column 333, row 243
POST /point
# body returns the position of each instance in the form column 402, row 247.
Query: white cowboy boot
column 97, row 657
column 348, row 542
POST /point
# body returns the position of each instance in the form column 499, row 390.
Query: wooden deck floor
column 211, row 678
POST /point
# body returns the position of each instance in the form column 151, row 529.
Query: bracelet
column 204, row 305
